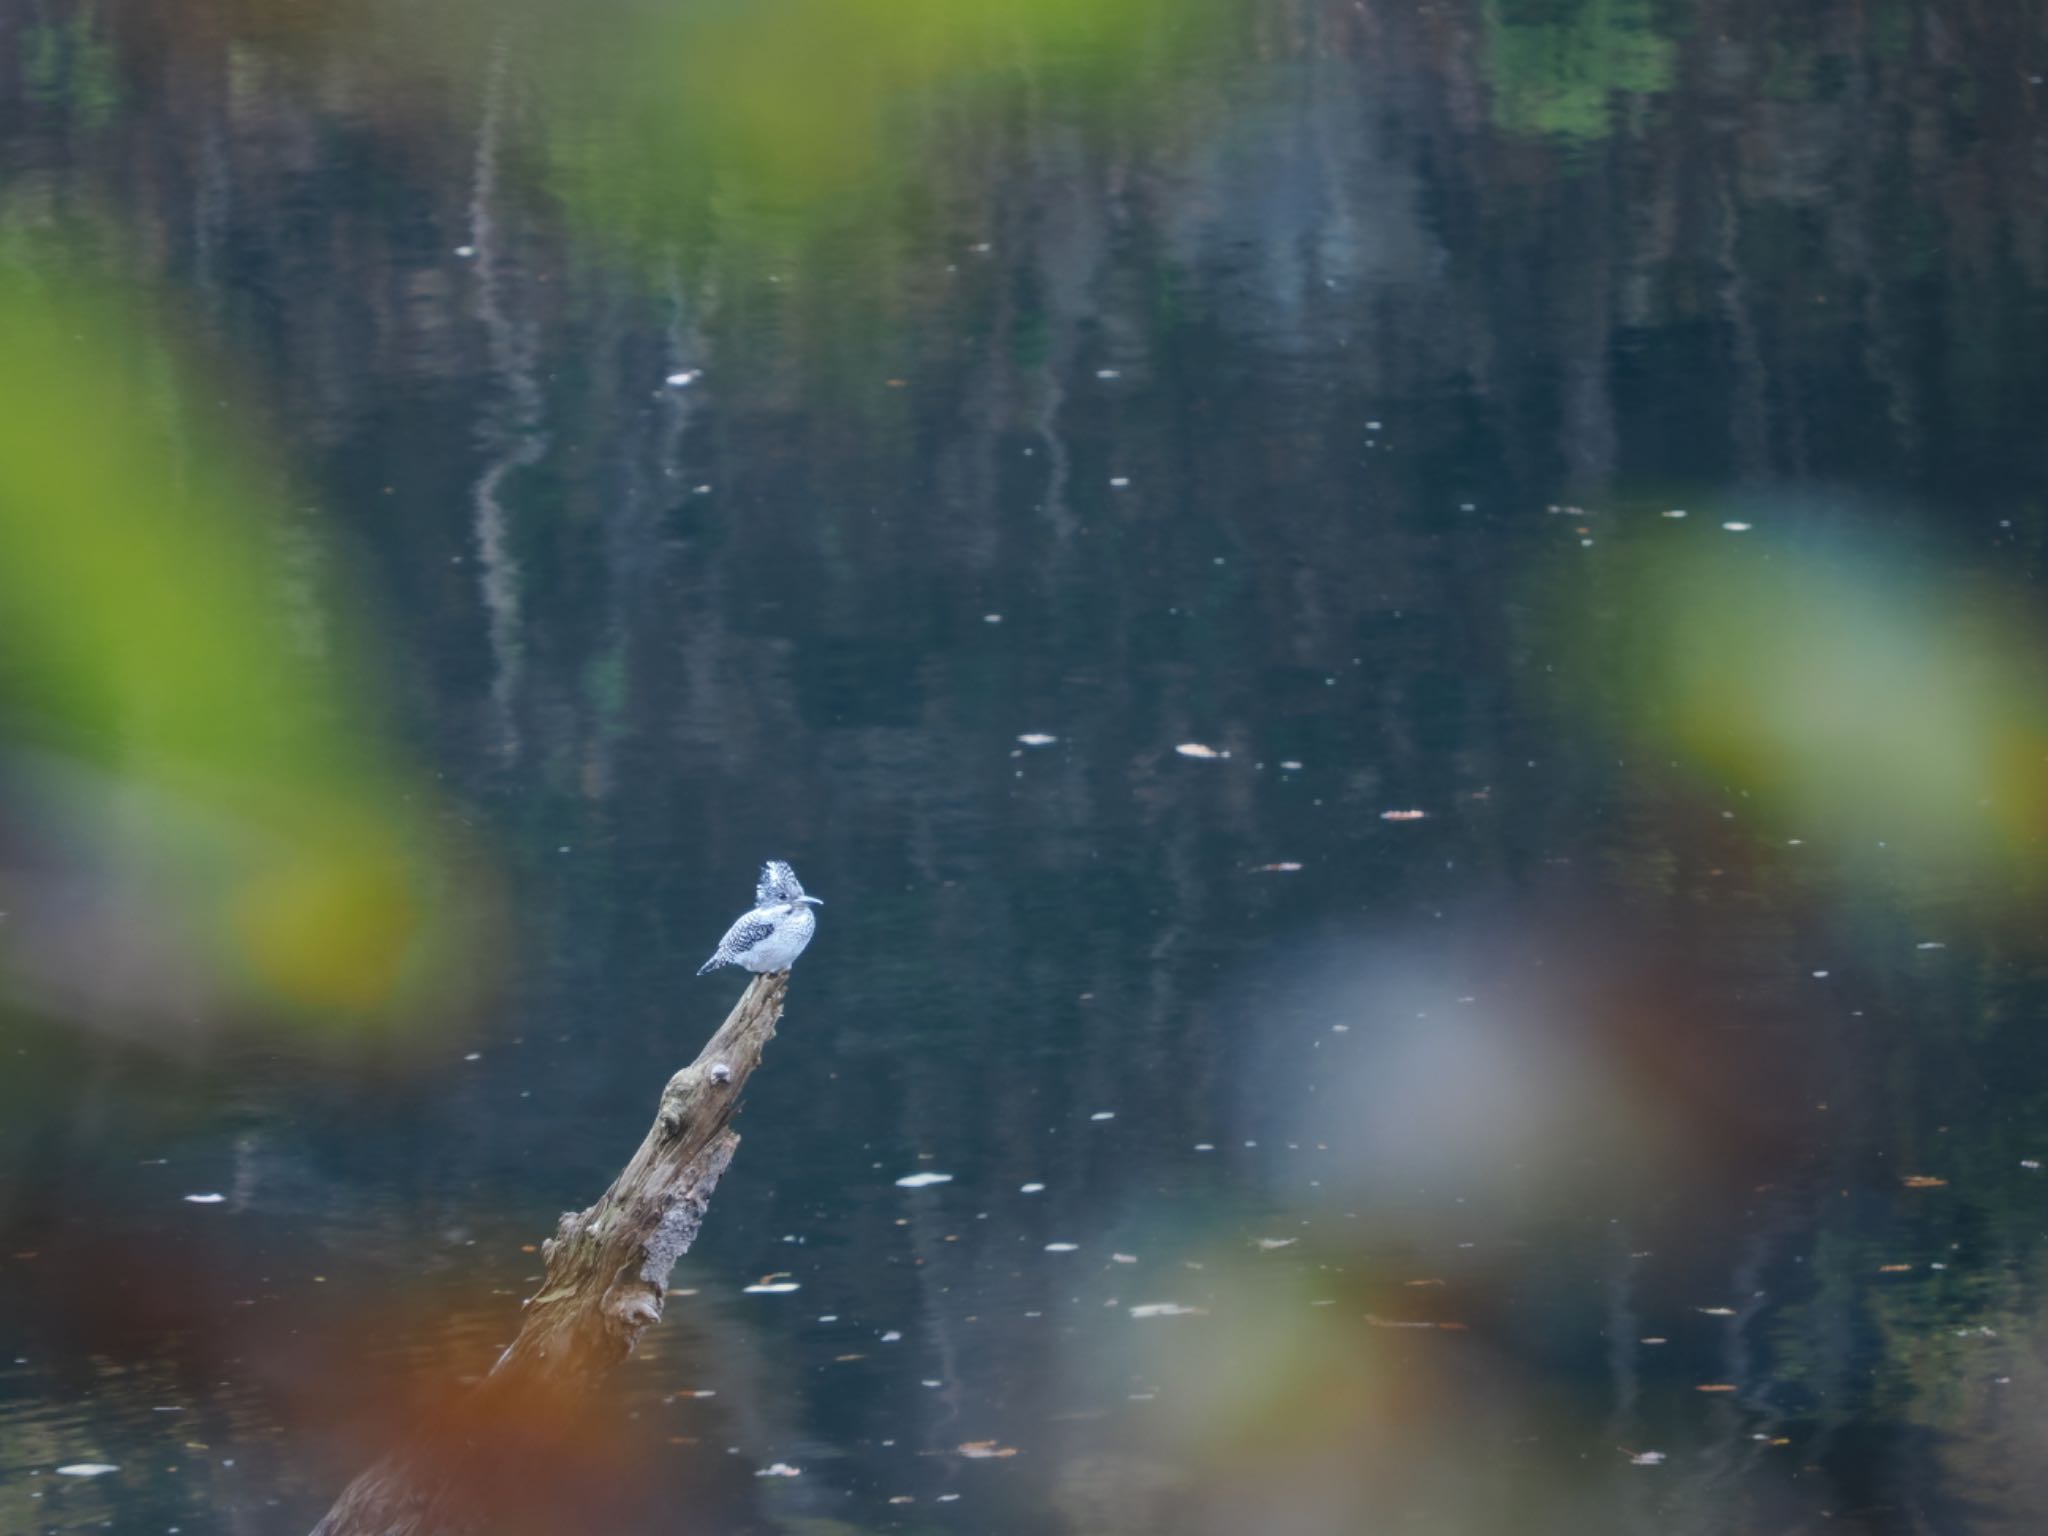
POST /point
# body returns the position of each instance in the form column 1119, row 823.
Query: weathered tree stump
column 607, row 1272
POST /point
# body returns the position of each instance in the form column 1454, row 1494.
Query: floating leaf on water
column 1715, row 1386
column 986, row 1450
column 1923, row 1181
column 1893, row 1269
column 923, row 1180
column 1197, row 749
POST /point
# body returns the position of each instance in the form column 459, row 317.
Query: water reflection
column 752, row 469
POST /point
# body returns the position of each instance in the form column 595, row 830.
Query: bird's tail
column 711, row 965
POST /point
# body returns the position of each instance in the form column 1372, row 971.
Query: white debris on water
column 1123, row 1258
column 1061, row 1247
column 780, row 1469
column 923, row 1180
column 87, row 1469
column 892, row 1337
column 1646, row 1458
column 1037, row 739
column 684, row 379
column 209, row 1199
column 1103, row 1114
column 1738, row 527
column 1197, row 750
column 771, row 1288
column 1165, row 1309
column 1030, row 1189
column 1267, row 1244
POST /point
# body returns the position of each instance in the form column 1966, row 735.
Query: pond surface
column 1401, row 640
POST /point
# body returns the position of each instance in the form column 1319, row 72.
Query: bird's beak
column 815, row 901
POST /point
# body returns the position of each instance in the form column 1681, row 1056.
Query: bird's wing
column 739, row 938
column 744, row 935
column 778, row 883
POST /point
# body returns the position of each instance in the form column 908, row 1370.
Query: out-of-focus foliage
column 1841, row 692
column 783, row 118
column 205, row 820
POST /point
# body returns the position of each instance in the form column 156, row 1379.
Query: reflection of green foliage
column 66, row 62
column 817, row 160
column 192, row 741
column 1554, row 64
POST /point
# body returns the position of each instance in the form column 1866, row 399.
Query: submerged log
column 607, row 1272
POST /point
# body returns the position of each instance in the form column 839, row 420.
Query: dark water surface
column 747, row 430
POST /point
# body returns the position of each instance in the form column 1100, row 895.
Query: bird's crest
column 778, row 883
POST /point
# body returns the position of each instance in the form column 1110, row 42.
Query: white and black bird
column 770, row 937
